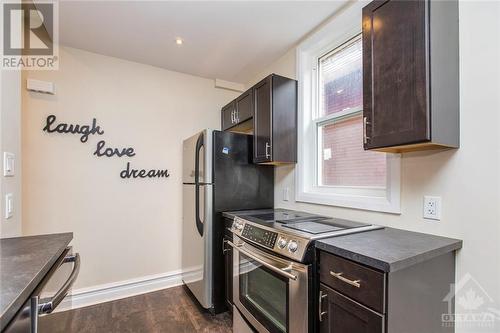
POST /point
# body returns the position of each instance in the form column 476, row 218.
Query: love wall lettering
column 101, row 149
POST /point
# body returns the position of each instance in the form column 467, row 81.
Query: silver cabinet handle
column 224, row 247
column 49, row 304
column 354, row 283
column 237, row 116
column 321, row 313
column 365, row 137
column 268, row 148
column 280, row 271
column 232, row 117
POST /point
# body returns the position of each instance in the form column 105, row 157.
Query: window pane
column 343, row 161
column 340, row 79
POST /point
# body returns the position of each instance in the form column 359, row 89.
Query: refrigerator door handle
column 199, row 145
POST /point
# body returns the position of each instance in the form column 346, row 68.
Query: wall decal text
column 134, row 173
column 101, row 149
column 110, row 152
column 85, row 130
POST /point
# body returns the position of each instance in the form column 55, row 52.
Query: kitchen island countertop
column 24, row 263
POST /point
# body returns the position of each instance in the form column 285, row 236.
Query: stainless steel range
column 272, row 266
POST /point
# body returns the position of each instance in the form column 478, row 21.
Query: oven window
column 264, row 293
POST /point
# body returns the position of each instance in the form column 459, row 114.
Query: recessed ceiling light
column 179, row 41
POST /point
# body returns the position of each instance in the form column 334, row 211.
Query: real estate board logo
column 471, row 307
column 30, row 35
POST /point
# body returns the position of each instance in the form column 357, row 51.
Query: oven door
column 270, row 292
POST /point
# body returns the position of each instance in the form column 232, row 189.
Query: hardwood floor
column 168, row 310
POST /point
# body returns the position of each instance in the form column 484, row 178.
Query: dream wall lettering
column 101, row 149
column 133, row 173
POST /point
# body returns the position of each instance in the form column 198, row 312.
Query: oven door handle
column 281, row 271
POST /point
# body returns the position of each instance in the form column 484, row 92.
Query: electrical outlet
column 432, row 208
column 286, row 194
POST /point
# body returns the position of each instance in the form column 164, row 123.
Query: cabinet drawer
column 365, row 285
column 341, row 314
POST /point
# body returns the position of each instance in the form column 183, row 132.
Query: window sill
column 377, row 204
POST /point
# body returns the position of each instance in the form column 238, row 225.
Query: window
column 342, row 161
column 333, row 167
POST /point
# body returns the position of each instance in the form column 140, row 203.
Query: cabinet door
column 263, row 121
column 244, row 106
column 395, row 89
column 228, row 116
column 340, row 314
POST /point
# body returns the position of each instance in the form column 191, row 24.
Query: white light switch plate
column 8, row 164
column 432, row 208
column 9, row 206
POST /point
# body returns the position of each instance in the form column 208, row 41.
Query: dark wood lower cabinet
column 411, row 299
column 340, row 314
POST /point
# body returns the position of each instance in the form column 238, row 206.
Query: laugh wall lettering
column 102, row 149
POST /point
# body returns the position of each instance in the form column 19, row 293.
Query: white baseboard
column 112, row 291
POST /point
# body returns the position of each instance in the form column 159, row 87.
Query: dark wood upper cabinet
column 268, row 110
column 275, row 120
column 244, row 106
column 228, row 113
column 410, row 75
column 236, row 116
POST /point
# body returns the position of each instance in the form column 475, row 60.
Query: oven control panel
column 290, row 246
column 260, row 236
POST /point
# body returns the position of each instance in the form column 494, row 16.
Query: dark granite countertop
column 389, row 249
column 24, row 263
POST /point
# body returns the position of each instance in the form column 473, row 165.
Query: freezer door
column 196, row 151
column 197, row 239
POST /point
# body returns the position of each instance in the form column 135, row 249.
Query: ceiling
column 229, row 40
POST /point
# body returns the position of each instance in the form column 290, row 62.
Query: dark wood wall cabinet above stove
column 237, row 115
column 269, row 111
column 275, row 119
column 410, row 75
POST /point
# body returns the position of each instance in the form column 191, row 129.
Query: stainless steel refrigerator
column 218, row 175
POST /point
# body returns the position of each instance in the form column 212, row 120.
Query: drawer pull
column 354, row 283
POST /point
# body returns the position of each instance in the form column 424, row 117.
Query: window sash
column 316, row 111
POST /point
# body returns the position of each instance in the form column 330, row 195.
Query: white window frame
column 342, row 28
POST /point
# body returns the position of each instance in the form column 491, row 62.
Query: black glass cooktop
column 325, row 225
column 284, row 216
column 312, row 227
column 305, row 222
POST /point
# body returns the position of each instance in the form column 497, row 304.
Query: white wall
column 123, row 229
column 10, row 141
column 467, row 179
